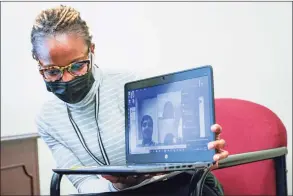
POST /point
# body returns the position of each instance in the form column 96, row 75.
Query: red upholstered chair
column 248, row 127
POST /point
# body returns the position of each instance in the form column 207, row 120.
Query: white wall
column 248, row 44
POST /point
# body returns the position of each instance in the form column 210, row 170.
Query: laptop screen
column 170, row 118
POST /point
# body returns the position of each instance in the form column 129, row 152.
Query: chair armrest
column 277, row 154
column 250, row 157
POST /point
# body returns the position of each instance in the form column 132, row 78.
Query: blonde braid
column 63, row 15
column 60, row 19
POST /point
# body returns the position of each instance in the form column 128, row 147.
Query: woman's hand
column 122, row 182
column 219, row 145
column 125, row 182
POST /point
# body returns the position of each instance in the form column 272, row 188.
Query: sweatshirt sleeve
column 65, row 158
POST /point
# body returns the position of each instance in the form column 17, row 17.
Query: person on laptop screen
column 83, row 125
column 147, row 131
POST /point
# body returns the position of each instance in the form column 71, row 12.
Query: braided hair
column 58, row 20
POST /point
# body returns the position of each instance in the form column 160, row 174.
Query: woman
column 84, row 124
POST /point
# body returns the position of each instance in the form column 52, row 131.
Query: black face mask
column 73, row 91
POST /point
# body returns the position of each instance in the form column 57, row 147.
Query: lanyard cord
column 101, row 145
column 81, row 138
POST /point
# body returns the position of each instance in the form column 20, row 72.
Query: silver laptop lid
column 168, row 118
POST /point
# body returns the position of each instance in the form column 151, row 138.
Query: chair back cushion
column 247, row 127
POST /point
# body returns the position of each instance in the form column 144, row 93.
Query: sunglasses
column 146, row 124
column 55, row 73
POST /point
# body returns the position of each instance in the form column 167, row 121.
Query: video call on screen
column 171, row 117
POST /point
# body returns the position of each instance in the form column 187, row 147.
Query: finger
column 215, row 166
column 218, row 136
column 216, row 128
column 144, row 177
column 222, row 155
column 219, row 144
column 113, row 179
column 135, row 179
column 107, row 176
column 130, row 180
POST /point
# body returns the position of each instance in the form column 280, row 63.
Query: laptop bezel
column 206, row 70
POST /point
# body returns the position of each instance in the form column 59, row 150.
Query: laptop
column 167, row 124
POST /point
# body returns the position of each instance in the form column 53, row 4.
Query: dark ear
column 92, row 48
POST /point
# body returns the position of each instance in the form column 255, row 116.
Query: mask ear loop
column 91, row 60
column 92, row 64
